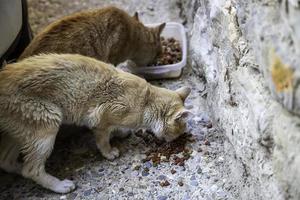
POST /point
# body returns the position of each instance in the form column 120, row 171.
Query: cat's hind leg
column 103, row 143
column 121, row 133
column 9, row 153
column 36, row 151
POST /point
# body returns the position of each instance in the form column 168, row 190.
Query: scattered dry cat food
column 171, row 52
column 137, row 167
column 206, row 142
column 163, row 151
column 209, row 125
column 180, row 183
column 164, row 183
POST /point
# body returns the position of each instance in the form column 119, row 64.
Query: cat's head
column 148, row 46
column 169, row 117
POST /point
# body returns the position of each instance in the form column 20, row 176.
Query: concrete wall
column 249, row 54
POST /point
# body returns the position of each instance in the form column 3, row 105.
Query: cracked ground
column 202, row 176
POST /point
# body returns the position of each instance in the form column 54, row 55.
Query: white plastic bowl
column 177, row 31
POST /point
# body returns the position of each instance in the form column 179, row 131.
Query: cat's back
column 46, row 73
column 90, row 18
column 56, row 85
column 78, row 32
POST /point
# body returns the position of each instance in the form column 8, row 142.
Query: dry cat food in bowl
column 171, row 52
column 173, row 58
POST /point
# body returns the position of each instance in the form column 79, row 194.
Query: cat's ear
column 136, row 16
column 160, row 28
column 184, row 115
column 183, row 92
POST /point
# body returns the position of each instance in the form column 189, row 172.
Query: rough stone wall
column 249, row 54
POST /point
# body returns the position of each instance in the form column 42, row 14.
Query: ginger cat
column 107, row 34
column 40, row 93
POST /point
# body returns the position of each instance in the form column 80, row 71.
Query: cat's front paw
column 113, row 154
column 64, row 186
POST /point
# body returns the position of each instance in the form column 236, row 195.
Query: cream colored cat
column 40, row 93
column 107, row 34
